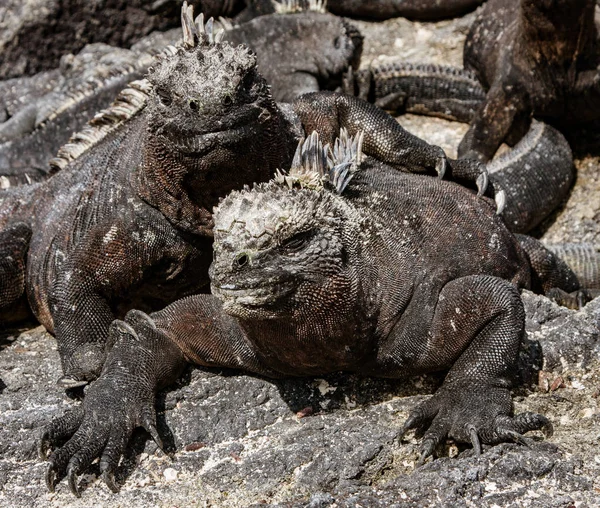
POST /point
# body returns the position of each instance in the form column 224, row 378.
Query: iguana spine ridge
column 128, row 103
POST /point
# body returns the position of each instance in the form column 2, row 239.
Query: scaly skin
column 536, row 58
column 129, row 223
column 313, row 275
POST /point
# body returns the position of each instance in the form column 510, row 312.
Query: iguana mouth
column 228, row 131
column 251, row 297
column 201, row 144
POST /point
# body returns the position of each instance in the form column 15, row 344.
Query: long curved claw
column 50, row 477
column 474, row 439
column 427, row 449
column 441, row 165
column 482, row 183
column 72, row 472
column 109, row 479
column 44, row 446
column 500, row 199
column 151, row 429
column 68, row 382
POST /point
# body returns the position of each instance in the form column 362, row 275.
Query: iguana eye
column 227, row 101
column 194, row 105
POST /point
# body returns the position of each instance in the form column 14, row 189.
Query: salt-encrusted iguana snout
column 279, row 245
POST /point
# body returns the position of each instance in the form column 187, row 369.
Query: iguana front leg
column 111, row 260
column 384, row 138
column 478, row 325
column 148, row 354
column 492, row 123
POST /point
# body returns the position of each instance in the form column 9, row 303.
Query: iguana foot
column 83, row 366
column 472, row 413
column 118, row 402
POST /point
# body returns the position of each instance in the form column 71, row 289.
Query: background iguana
column 533, row 58
column 129, row 223
column 340, row 264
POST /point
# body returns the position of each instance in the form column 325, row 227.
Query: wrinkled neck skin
column 561, row 30
column 185, row 187
column 318, row 337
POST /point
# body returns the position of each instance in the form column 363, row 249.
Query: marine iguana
column 128, row 224
column 536, row 58
column 537, row 172
column 297, row 53
column 339, row 264
column 38, row 120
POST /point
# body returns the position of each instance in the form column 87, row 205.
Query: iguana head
column 207, row 93
column 284, row 245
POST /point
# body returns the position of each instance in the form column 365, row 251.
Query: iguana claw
column 482, row 183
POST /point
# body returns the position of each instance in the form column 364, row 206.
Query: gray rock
column 238, row 440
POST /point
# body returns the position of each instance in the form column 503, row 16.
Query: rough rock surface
column 66, row 26
column 239, row 440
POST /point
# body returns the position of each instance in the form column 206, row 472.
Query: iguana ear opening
column 316, row 166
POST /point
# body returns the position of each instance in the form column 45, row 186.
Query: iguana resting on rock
column 535, row 58
column 537, row 172
column 339, row 264
column 128, row 223
column 297, row 53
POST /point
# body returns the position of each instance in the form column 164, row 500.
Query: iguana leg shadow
column 480, row 322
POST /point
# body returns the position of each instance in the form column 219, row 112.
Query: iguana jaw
column 228, row 131
column 266, row 301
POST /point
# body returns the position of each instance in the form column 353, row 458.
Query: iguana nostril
column 194, row 105
column 242, row 260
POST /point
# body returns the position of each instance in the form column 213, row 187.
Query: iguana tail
column 426, row 89
column 583, row 259
column 536, row 175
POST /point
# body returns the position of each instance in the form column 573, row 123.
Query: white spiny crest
column 291, row 6
column 196, row 32
column 315, row 165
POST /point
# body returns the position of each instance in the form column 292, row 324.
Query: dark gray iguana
column 297, row 53
column 339, row 264
column 128, row 223
column 537, row 172
column 534, row 58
